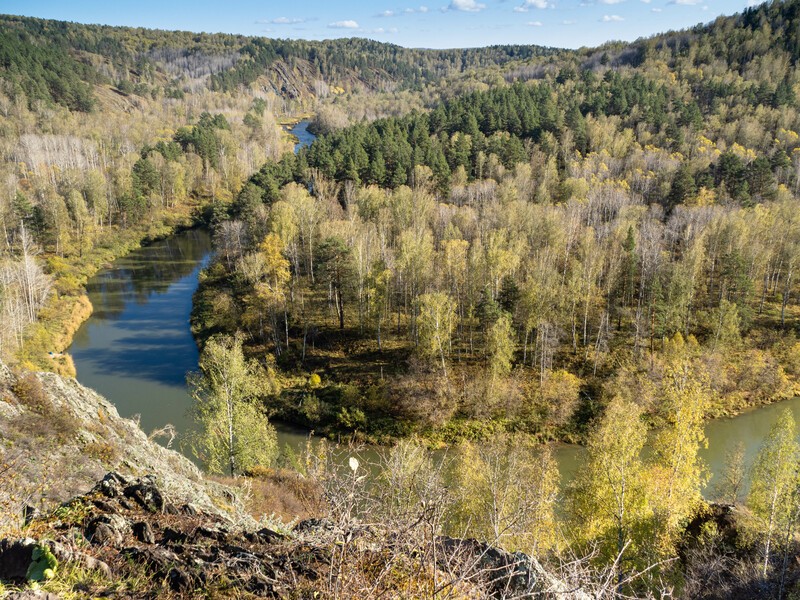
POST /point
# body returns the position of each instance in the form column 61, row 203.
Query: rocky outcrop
column 128, row 528
column 60, row 437
column 127, row 532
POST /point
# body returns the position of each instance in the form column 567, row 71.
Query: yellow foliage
column 704, row 197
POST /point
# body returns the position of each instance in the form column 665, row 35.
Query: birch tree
column 773, row 483
column 234, row 432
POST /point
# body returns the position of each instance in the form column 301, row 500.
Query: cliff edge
column 59, row 438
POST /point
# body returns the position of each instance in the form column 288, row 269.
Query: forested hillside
column 57, row 62
column 111, row 135
column 514, row 258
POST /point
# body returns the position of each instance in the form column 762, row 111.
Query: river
column 137, row 347
column 303, row 135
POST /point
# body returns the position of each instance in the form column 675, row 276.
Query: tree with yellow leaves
column 435, row 325
column 267, row 272
column 505, row 492
column 609, row 498
column 679, row 473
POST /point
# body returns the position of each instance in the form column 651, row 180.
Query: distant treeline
column 57, row 62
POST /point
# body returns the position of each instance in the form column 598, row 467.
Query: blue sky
column 421, row 23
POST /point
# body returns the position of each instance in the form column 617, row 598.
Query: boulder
column 107, row 530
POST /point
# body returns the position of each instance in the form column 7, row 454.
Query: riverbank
column 68, row 307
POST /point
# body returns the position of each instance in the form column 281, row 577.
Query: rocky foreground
column 152, row 526
column 59, row 438
column 125, row 538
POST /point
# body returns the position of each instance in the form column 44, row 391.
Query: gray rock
column 111, row 485
column 67, row 555
column 179, row 580
column 146, row 493
column 144, row 533
column 32, row 595
column 108, row 530
column 97, row 421
column 173, row 536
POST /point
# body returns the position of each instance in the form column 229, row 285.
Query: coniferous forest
column 482, row 253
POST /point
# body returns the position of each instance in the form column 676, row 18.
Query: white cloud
column 656, row 10
column 529, row 4
column 645, row 1
column 387, row 13
column 382, row 30
column 534, row 23
column 348, row 24
column 465, row 6
column 567, row 22
column 612, row 19
column 686, row 2
column 282, row 21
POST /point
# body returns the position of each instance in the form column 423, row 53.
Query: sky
column 418, row 24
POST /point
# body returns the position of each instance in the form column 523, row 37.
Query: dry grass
column 284, row 494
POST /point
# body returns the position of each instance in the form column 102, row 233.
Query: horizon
column 457, row 24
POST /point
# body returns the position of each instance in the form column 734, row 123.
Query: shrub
column 29, row 391
column 101, row 451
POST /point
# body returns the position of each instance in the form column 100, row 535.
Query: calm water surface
column 137, row 347
column 304, row 137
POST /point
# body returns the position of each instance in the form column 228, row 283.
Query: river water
column 303, row 135
column 137, row 347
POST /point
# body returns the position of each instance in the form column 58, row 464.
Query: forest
column 483, row 251
column 514, row 258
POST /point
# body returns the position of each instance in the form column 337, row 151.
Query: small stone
column 179, row 580
column 32, row 595
column 313, row 524
column 173, row 536
column 155, row 559
column 29, row 513
column 145, row 493
column 104, row 506
column 111, row 485
column 211, row 533
column 269, row 537
column 144, row 533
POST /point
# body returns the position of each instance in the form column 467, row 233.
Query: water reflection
column 137, row 346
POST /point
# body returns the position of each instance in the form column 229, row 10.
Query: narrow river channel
column 137, row 347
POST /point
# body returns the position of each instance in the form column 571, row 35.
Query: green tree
column 435, row 326
column 774, row 481
column 234, row 433
column 336, row 263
